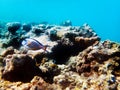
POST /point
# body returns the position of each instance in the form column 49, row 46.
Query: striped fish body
column 33, row 44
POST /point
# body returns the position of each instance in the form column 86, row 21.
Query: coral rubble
column 75, row 58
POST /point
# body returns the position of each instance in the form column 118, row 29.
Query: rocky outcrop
column 13, row 27
column 75, row 59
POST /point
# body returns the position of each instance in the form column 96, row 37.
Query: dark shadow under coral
column 61, row 53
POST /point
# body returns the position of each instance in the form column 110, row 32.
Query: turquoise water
column 102, row 15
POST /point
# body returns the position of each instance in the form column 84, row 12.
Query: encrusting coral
column 94, row 67
column 75, row 59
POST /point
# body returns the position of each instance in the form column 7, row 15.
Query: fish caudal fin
column 45, row 47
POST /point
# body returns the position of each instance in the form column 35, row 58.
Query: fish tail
column 45, row 47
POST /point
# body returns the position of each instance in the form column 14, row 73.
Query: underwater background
column 56, row 45
column 102, row 15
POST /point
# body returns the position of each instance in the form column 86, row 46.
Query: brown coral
column 76, row 60
column 18, row 67
column 9, row 50
column 87, row 41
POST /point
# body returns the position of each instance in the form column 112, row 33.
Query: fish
column 33, row 44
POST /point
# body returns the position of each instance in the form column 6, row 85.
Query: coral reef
column 13, row 27
column 18, row 67
column 75, row 58
column 26, row 27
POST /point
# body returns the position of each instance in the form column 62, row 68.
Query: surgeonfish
column 33, row 44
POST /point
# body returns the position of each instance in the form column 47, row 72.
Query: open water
column 102, row 15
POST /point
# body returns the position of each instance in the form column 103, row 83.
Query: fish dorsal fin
column 37, row 41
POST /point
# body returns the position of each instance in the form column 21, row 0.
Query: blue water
column 102, row 15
